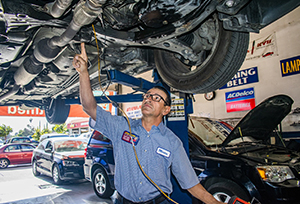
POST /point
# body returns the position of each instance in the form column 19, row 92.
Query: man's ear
column 166, row 110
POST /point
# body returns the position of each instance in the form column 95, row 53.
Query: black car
column 61, row 158
column 246, row 161
column 241, row 161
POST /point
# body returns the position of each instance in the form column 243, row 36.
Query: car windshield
column 209, row 131
column 69, row 145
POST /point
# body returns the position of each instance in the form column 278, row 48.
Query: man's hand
column 80, row 61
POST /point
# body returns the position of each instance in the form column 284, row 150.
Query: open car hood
column 261, row 121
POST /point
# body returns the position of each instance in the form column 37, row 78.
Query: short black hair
column 168, row 99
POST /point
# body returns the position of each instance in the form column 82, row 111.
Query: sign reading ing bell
column 242, row 77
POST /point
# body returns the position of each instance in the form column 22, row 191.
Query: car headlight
column 275, row 174
column 70, row 163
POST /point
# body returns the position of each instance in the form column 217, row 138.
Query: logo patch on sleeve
column 163, row 152
column 127, row 137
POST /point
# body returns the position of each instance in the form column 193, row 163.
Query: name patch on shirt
column 163, row 152
column 127, row 137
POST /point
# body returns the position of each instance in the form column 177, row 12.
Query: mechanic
column 159, row 150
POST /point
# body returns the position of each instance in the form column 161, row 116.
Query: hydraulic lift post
column 179, row 125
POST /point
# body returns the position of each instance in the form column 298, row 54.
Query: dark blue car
column 99, row 166
column 62, row 158
column 244, row 161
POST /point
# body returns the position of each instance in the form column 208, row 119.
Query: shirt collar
column 161, row 127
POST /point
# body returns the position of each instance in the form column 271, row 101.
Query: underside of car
column 196, row 46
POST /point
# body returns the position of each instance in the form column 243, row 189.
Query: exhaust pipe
column 48, row 49
column 58, row 7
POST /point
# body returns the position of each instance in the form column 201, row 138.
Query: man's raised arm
column 87, row 99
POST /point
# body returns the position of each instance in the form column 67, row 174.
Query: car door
column 26, row 153
column 13, row 154
column 48, row 156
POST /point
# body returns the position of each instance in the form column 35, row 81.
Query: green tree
column 38, row 132
column 26, row 132
column 4, row 131
column 62, row 128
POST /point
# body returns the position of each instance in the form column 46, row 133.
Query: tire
column 34, row 168
column 4, row 163
column 57, row 112
column 101, row 184
column 56, row 175
column 221, row 58
column 223, row 191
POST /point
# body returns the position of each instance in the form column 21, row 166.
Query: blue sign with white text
column 242, row 77
column 238, row 95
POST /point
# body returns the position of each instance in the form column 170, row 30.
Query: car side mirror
column 48, row 150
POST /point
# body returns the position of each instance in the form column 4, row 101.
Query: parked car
column 22, row 140
column 1, row 142
column 241, row 161
column 62, row 158
column 15, row 153
column 99, row 166
column 85, row 136
column 51, row 135
column 18, row 140
column 74, row 135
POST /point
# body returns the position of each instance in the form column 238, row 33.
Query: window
column 20, row 140
column 49, row 145
column 97, row 138
column 27, row 148
column 12, row 148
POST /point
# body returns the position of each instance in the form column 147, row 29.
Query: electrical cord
column 130, row 133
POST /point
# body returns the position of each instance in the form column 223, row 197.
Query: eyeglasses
column 154, row 97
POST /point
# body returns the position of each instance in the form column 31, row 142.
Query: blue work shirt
column 159, row 151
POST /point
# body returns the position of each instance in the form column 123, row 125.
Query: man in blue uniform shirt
column 158, row 149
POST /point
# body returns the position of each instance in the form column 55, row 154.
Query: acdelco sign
column 240, row 100
column 240, row 94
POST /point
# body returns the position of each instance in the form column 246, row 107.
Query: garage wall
column 284, row 36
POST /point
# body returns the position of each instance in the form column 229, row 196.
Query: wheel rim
column 3, row 163
column 55, row 174
column 100, row 183
column 223, row 197
column 209, row 32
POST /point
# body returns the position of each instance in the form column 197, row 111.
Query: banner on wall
column 75, row 110
column 290, row 66
column 262, row 47
column 240, row 100
column 242, row 77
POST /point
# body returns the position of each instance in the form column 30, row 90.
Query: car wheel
column 4, row 163
column 34, row 168
column 56, row 174
column 223, row 191
column 220, row 55
column 57, row 111
column 101, row 184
